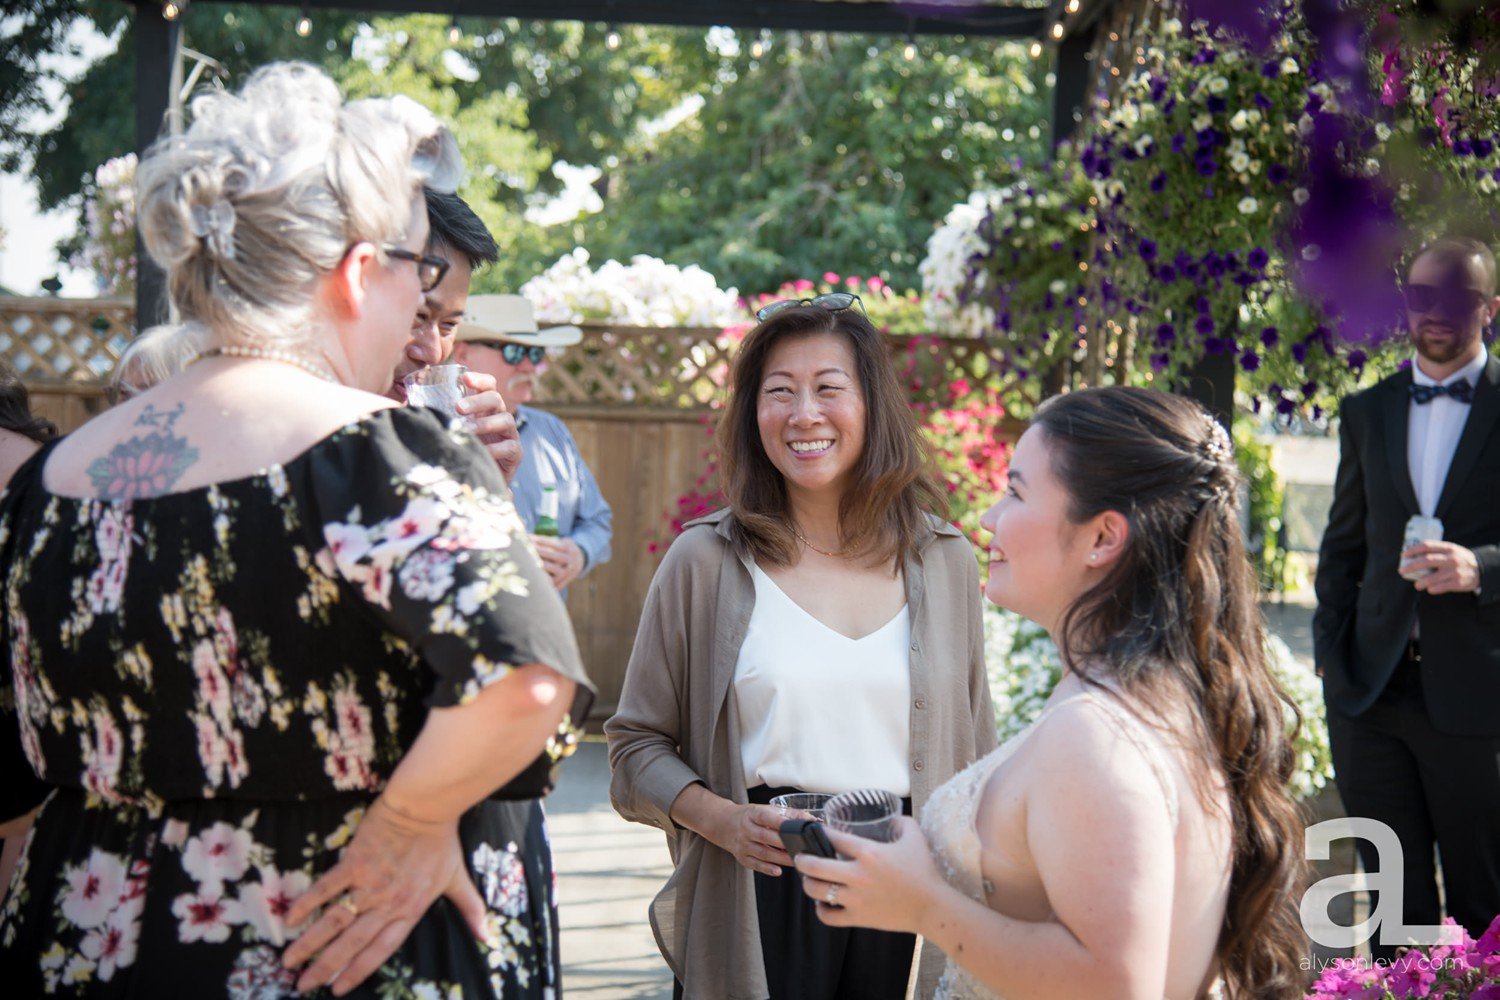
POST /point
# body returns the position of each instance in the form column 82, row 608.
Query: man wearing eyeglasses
column 458, row 245
column 499, row 337
column 1407, row 636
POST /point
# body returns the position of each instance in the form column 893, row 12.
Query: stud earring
column 1093, row 556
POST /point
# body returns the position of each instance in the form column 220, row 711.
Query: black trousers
column 808, row 960
column 1432, row 789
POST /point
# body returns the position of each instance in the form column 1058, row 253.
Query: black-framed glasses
column 430, row 270
column 1451, row 300
column 513, row 353
column 832, row 301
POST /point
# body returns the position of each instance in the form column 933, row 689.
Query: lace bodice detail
column 949, row 822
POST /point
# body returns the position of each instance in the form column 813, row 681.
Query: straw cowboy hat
column 510, row 317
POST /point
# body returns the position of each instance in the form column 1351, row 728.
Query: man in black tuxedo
column 1411, row 670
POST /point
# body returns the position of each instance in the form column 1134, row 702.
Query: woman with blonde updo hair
column 272, row 645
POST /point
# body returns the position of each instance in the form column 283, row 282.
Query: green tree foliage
column 827, row 153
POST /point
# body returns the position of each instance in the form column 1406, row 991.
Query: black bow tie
column 1460, row 392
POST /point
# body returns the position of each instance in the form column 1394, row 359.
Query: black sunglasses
column 832, row 301
column 430, row 270
column 1451, row 300
column 513, row 353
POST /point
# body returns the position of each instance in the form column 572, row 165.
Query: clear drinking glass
column 437, row 386
column 801, row 805
column 866, row 812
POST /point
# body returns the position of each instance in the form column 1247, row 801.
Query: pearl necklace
column 823, row 552
column 266, row 354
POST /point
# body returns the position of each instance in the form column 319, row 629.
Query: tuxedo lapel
column 1483, row 413
column 1396, row 409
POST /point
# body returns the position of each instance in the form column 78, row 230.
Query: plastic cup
column 868, row 812
column 801, row 805
column 437, row 386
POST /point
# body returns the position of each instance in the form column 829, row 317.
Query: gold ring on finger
column 348, row 903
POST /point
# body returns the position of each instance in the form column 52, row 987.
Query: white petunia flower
column 1248, row 206
column 1300, row 195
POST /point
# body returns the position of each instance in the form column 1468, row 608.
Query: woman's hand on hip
column 391, row 872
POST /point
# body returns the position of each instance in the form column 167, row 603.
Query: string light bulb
column 909, row 53
column 757, row 49
column 304, row 23
column 1036, row 50
column 455, row 34
column 1057, row 31
column 1072, row 6
column 612, row 39
column 170, row 11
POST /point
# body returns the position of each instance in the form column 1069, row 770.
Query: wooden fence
column 637, row 400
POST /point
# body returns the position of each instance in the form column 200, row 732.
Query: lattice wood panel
column 63, row 340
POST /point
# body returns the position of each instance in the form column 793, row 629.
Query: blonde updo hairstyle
column 267, row 189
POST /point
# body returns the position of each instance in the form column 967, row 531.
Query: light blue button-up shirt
column 551, row 458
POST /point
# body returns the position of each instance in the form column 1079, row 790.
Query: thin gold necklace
column 266, row 354
column 824, row 552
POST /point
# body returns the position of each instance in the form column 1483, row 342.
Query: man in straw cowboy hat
column 499, row 336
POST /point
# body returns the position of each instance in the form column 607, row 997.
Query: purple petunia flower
column 1250, row 361
column 1277, row 174
column 1214, row 345
column 1217, row 105
column 1147, row 250
column 1166, row 274
column 1270, row 69
column 1204, row 325
column 1285, row 407
column 1206, row 166
column 1179, row 142
column 1159, row 182
column 1357, row 360
column 1257, row 259
column 1299, row 353
column 1483, row 148
column 1270, row 336
column 1209, row 138
column 1263, row 102
column 1463, row 147
column 1166, row 333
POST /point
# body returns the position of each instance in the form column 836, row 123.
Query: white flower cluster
column 1024, row 667
column 1016, row 211
column 944, row 270
column 110, row 219
column 646, row 292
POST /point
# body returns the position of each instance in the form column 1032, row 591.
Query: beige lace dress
column 950, row 823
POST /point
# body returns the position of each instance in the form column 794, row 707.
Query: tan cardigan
column 676, row 726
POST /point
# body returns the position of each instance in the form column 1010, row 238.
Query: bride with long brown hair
column 1138, row 839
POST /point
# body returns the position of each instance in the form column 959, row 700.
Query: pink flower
column 875, row 284
column 206, row 916
column 804, row 285
column 93, row 889
column 831, row 278
column 265, row 903
column 217, row 855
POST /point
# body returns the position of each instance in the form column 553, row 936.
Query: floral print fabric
column 209, row 687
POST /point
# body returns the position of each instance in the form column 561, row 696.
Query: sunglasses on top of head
column 832, row 301
column 1450, row 300
column 512, row 354
column 430, row 270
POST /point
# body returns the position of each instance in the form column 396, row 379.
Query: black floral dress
column 207, row 689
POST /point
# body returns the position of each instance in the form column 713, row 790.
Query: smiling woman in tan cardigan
column 822, row 633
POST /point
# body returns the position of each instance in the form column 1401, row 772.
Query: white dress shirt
column 818, row 710
column 1433, row 430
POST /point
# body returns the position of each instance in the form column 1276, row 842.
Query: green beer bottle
column 546, row 518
